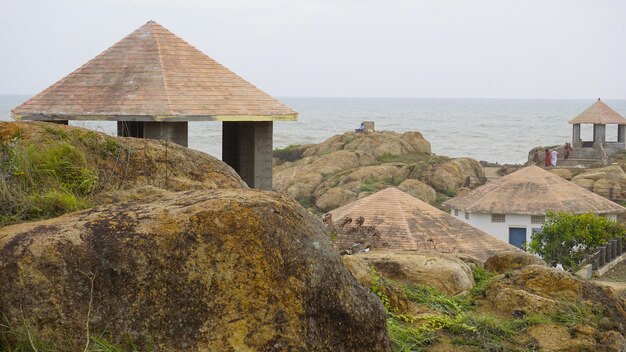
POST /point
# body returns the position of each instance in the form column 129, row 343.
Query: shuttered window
column 498, row 218
column 537, row 219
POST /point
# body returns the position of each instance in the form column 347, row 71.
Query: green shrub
column 567, row 238
column 482, row 280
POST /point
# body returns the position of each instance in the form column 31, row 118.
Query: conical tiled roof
column 153, row 75
column 599, row 113
column 532, row 191
column 407, row 223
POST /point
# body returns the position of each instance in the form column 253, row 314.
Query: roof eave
column 153, row 118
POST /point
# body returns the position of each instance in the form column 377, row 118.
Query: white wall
column 500, row 230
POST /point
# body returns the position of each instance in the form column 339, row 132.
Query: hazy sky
column 345, row 48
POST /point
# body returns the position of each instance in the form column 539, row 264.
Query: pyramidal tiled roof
column 599, row 113
column 407, row 223
column 532, row 191
column 153, row 75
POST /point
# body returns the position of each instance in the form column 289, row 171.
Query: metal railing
column 607, row 253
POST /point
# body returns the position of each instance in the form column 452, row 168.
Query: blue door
column 517, row 236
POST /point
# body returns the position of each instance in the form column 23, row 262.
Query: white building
column 512, row 207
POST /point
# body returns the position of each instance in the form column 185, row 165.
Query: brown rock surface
column 125, row 163
column 501, row 263
column 218, row 270
column 537, row 289
column 552, row 337
column 451, row 176
column 419, row 190
column 444, row 272
column 564, row 173
column 353, row 165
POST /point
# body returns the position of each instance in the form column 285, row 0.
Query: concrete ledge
column 586, row 272
column 603, row 270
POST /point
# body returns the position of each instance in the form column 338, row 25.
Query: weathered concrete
column 576, row 141
column 247, row 148
column 599, row 134
column 171, row 131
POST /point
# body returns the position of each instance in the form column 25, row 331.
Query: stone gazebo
column 153, row 84
column 599, row 114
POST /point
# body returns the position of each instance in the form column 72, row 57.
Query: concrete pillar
column 171, row 131
column 368, row 126
column 247, row 147
column 621, row 133
column 175, row 132
column 599, row 134
column 576, row 142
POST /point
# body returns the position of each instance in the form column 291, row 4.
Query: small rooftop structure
column 599, row 115
column 514, row 206
column 153, row 83
column 407, row 223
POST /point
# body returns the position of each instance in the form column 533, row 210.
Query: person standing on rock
column 568, row 148
column 546, row 161
column 554, row 155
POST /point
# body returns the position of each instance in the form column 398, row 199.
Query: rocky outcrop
column 501, row 263
column 451, row 176
column 555, row 338
column 540, row 289
column 353, row 165
column 126, row 163
column 606, row 181
column 218, row 270
column 376, row 144
column 444, row 272
column 419, row 190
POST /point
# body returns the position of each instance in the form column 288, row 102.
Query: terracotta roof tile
column 408, row 223
column 599, row 113
column 153, row 74
column 533, row 191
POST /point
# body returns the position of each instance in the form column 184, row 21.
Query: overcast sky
column 344, row 48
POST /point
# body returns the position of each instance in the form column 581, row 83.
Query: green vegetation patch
column 569, row 238
column 43, row 181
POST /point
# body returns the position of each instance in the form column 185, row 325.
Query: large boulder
column 613, row 172
column 451, row 176
column 220, row 270
column 418, row 190
column 376, row 144
column 540, row 289
column 501, row 263
column 551, row 337
column 126, row 163
column 444, row 272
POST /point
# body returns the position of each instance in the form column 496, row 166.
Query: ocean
column 494, row 130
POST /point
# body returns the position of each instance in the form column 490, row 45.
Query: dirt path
column 615, row 278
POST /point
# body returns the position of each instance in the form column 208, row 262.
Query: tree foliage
column 567, row 238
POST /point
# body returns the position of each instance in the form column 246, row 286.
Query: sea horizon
column 499, row 130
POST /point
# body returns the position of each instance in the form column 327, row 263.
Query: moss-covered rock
column 220, row 270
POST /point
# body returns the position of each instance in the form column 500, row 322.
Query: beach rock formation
column 353, row 165
column 540, row 289
column 125, row 163
column 50, row 169
column 451, row 176
column 445, row 272
column 606, row 181
column 501, row 263
column 216, row 270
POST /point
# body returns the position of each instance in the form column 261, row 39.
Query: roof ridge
column 161, row 65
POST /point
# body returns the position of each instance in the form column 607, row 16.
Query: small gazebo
column 599, row 115
column 153, row 84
